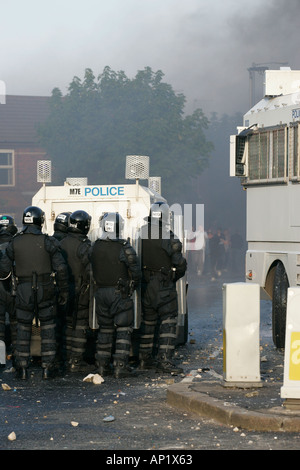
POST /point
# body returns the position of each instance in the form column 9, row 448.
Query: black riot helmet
column 33, row 215
column 159, row 213
column 61, row 222
column 112, row 224
column 80, row 222
column 7, row 224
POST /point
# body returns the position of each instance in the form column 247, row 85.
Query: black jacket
column 8, row 261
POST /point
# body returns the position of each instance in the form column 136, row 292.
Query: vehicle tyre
column 279, row 305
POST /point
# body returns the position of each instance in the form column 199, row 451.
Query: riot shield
column 181, row 285
column 136, row 244
column 2, row 353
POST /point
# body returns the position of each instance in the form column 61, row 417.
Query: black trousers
column 115, row 320
column 7, row 307
column 159, row 313
column 25, row 312
column 77, row 323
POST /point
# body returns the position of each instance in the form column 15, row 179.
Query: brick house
column 19, row 151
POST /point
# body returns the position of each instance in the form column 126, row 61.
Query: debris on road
column 6, row 387
column 108, row 419
column 94, row 378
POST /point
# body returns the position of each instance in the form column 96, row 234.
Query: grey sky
column 204, row 48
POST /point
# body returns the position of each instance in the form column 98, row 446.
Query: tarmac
column 253, row 407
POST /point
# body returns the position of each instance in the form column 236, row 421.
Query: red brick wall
column 13, row 200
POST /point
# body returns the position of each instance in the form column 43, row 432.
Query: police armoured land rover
column 132, row 201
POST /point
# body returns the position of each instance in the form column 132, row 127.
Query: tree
column 98, row 122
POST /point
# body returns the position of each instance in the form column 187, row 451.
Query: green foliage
column 100, row 120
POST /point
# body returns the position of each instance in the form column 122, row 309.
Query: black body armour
column 4, row 241
column 69, row 246
column 106, row 264
column 31, row 255
column 154, row 257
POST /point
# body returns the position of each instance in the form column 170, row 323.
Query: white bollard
column 2, row 353
column 241, row 323
column 291, row 376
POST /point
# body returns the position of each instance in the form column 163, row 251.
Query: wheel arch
column 269, row 282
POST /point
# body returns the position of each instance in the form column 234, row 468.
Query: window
column 294, row 152
column 240, row 155
column 6, row 168
column 267, row 153
column 279, row 153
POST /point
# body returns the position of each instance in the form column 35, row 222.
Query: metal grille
column 137, row 167
column 44, row 171
column 267, row 155
column 278, row 154
column 77, row 181
column 155, row 184
column 294, row 151
column 254, row 157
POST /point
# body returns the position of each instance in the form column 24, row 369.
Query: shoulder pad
column 176, row 245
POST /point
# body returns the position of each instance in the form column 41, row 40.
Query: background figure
column 207, row 256
column 190, row 242
column 75, row 248
column 226, row 241
column 216, row 248
column 237, row 253
column 35, row 257
column 162, row 265
column 7, row 301
column 116, row 273
column 198, row 252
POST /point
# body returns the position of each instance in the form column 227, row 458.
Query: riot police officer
column 116, row 273
column 8, row 229
column 36, row 258
column 162, row 265
column 75, row 247
column 61, row 225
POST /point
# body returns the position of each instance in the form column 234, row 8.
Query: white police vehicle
column 132, row 201
column 265, row 155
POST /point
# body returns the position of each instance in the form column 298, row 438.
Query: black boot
column 79, row 365
column 165, row 364
column 146, row 361
column 49, row 372
column 122, row 369
column 22, row 373
column 104, row 368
